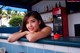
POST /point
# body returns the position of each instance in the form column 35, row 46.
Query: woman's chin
column 31, row 31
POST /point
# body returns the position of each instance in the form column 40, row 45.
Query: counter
column 45, row 45
column 71, row 41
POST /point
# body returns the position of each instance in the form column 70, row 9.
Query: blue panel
column 48, row 51
column 37, row 50
column 11, row 48
column 30, row 50
column 0, row 44
column 9, row 29
column 59, row 52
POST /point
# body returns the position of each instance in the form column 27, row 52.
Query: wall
column 41, row 6
column 73, row 19
column 46, row 17
column 27, row 47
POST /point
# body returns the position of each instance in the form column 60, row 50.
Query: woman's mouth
column 31, row 29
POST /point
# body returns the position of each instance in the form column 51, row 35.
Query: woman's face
column 32, row 24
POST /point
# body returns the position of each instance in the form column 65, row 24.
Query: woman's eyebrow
column 33, row 19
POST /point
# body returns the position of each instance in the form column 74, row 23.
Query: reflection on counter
column 4, row 34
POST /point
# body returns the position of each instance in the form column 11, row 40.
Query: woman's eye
column 33, row 20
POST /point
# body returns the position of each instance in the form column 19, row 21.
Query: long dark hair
column 36, row 15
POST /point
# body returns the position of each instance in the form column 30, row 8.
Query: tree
column 8, row 10
column 0, row 11
column 16, row 21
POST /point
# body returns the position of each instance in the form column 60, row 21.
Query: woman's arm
column 33, row 36
column 15, row 36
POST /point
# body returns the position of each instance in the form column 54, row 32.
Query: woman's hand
column 29, row 36
column 27, row 32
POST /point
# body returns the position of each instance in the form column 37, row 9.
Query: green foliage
column 17, row 16
column 14, row 13
column 3, row 13
column 0, row 11
column 9, row 11
column 16, row 21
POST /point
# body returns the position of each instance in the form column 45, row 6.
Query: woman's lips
column 31, row 28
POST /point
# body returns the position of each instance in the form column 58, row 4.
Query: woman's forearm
column 33, row 37
column 16, row 36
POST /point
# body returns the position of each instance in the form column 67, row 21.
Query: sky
column 14, row 8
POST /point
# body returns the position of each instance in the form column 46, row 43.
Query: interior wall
column 41, row 6
column 73, row 19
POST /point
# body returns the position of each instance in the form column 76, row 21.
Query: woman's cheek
column 34, row 25
column 26, row 26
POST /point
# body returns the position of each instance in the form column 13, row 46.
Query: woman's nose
column 30, row 25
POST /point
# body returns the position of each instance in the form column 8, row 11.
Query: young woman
column 33, row 28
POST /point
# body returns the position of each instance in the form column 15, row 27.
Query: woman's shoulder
column 47, row 30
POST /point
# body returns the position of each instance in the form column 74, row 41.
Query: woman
column 33, row 28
